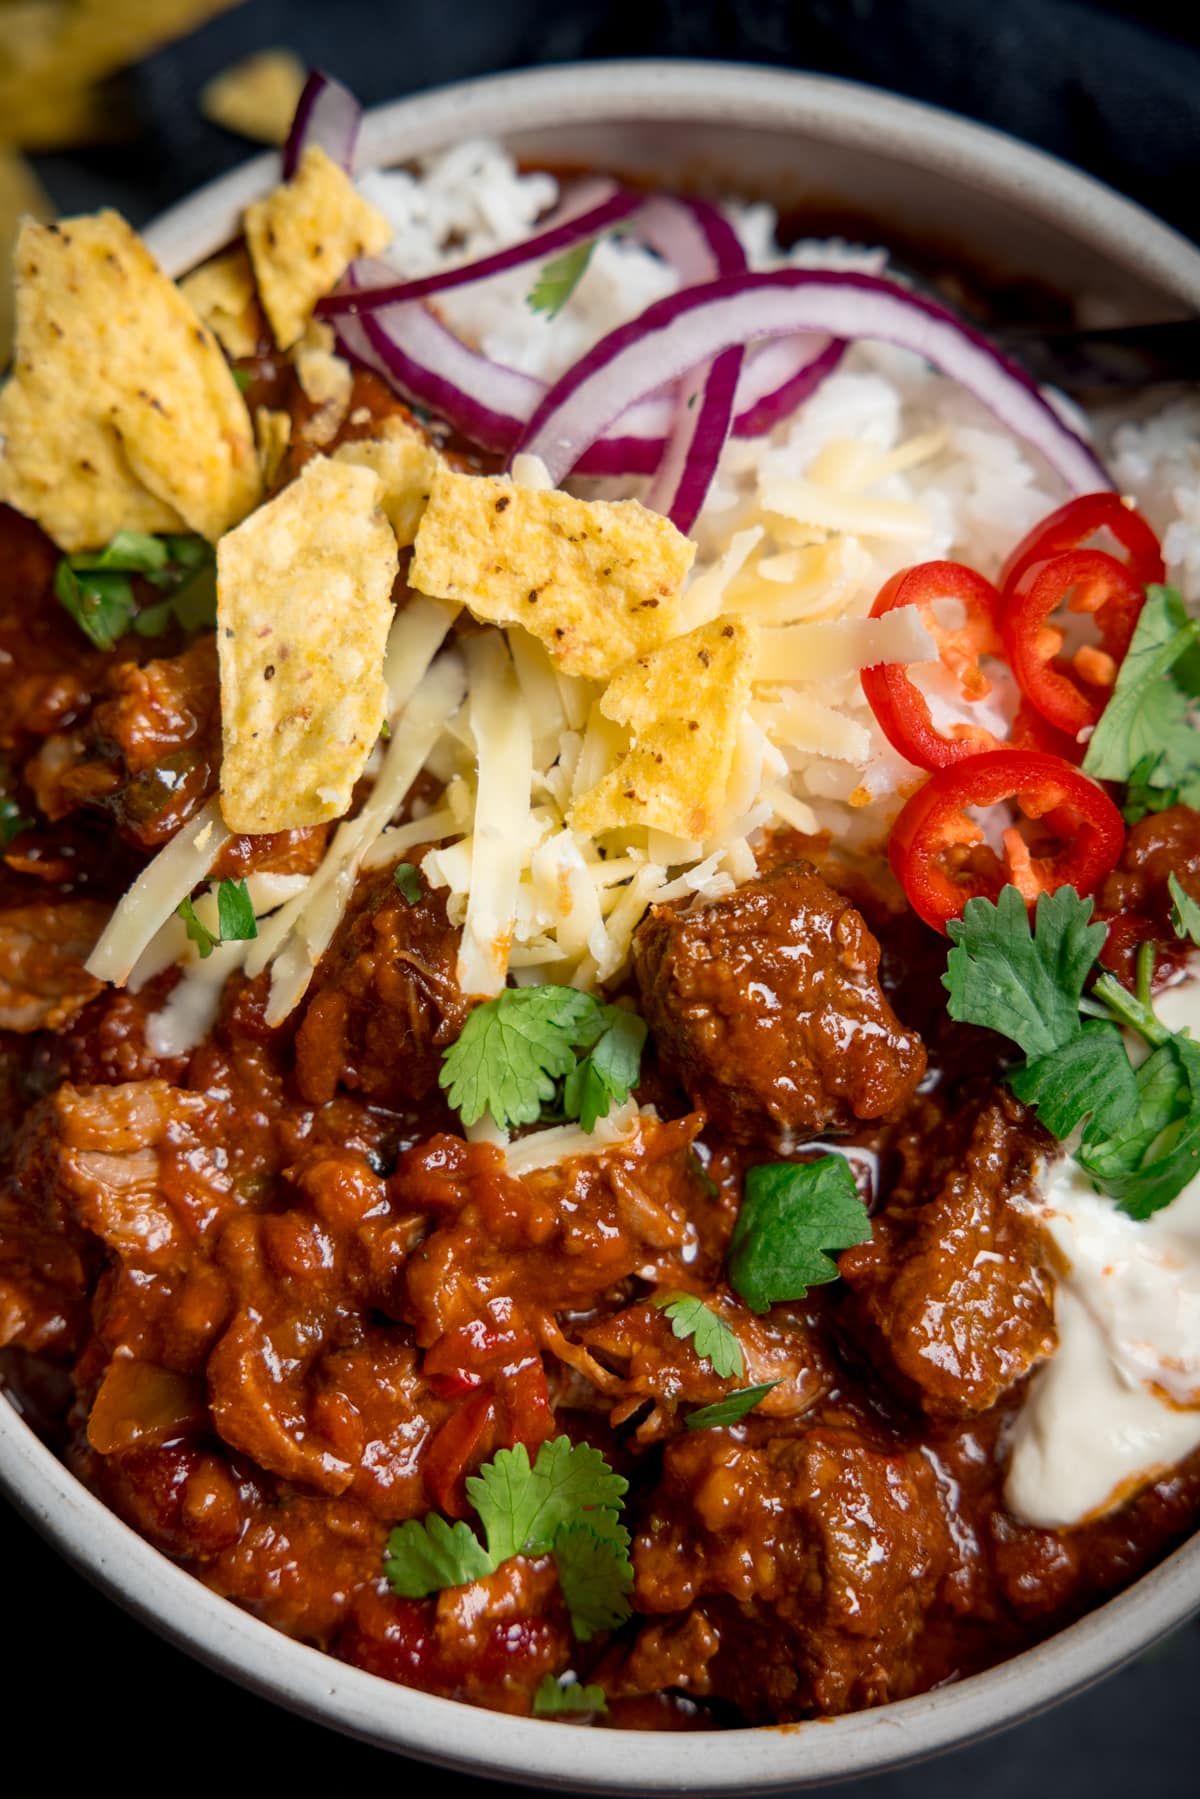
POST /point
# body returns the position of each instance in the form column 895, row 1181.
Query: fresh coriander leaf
column 609, row 1071
column 554, row 1701
column 522, row 1507
column 423, row 1556
column 1109, row 998
column 242, row 378
column 1143, row 794
column 1148, row 1164
column 134, row 552
column 100, row 602
column 792, row 1213
column 713, row 1338
column 205, row 940
column 407, row 877
column 512, row 1051
column 12, row 821
column 152, row 621
column 1148, row 711
column 559, row 278
column 194, row 601
column 1025, row 984
column 595, row 1576
column 188, row 551
column 1185, row 913
column 1090, row 1077
column 730, row 1410
column 235, row 913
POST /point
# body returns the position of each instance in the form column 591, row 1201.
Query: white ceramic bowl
column 980, row 197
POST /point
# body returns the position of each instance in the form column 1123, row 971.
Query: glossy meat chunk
column 385, row 1002
column 767, row 1008
column 820, row 1556
column 954, row 1294
column 43, row 983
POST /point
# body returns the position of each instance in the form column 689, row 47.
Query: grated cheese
column 826, row 509
column 504, row 749
column 563, row 1142
column 842, row 646
column 318, row 911
column 158, row 891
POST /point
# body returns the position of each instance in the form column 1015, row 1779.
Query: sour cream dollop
column 1120, row 1401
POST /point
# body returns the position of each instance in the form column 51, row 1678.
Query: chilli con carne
column 644, row 1341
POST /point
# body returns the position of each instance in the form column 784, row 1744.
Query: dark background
column 1109, row 85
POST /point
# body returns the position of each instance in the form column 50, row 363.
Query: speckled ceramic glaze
column 977, row 196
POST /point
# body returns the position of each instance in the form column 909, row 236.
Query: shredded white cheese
column 158, row 891
column 504, row 751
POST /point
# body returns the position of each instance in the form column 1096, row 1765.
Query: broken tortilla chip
column 304, row 236
column 327, row 381
column 405, row 462
column 681, row 705
column 20, row 193
column 596, row 580
column 303, row 610
column 222, row 292
column 257, row 97
column 121, row 412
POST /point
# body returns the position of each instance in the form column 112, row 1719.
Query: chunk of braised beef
column 817, row 1559
column 43, row 983
column 489, row 1643
column 953, row 1297
column 1135, row 900
column 766, row 1006
column 385, row 1001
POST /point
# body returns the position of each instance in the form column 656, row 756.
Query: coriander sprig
column 1145, row 736
column 516, row 1049
column 566, row 1503
column 1139, row 1129
column 96, row 586
column 236, row 922
column 792, row 1215
column 714, row 1341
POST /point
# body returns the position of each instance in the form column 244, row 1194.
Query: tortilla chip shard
column 222, row 292
column 406, row 462
column 682, row 705
column 303, row 610
column 121, row 411
column 303, row 237
column 596, row 580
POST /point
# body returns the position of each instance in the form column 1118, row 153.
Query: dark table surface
column 1111, row 85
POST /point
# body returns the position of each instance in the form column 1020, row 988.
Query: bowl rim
column 229, row 1639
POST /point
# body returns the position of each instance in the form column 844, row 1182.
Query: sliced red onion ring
column 685, row 474
column 689, row 328
column 328, row 115
column 542, row 245
column 701, row 244
column 778, row 376
column 694, row 236
column 414, row 352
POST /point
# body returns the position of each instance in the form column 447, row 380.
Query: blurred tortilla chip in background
column 257, row 97
column 56, row 57
column 20, row 194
